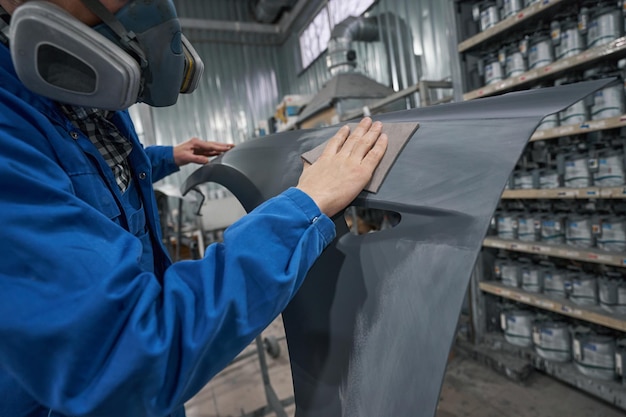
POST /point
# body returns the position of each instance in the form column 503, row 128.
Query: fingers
column 375, row 154
column 336, row 143
column 356, row 136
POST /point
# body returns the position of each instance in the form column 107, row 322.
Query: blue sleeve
column 162, row 161
column 86, row 332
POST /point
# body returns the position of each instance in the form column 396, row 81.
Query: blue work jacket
column 87, row 326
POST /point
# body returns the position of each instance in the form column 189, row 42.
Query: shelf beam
column 507, row 24
column 589, row 126
column 613, row 49
column 558, row 251
column 561, row 306
column 567, row 193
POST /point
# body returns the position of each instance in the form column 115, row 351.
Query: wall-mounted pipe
column 342, row 58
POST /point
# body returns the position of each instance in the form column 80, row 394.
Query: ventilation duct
column 342, row 58
column 268, row 11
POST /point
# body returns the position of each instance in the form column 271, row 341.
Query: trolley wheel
column 271, row 346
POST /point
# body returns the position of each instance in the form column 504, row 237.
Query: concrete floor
column 470, row 390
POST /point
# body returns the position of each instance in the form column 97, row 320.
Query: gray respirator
column 137, row 55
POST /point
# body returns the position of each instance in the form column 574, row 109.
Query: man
column 94, row 318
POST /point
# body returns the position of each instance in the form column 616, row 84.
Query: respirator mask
column 138, row 54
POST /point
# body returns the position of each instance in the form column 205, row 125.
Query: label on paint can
column 515, row 64
column 493, row 72
column 540, row 54
column 577, row 350
column 537, row 337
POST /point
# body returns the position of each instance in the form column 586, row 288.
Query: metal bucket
column 549, row 179
column 515, row 63
column 605, row 25
column 576, row 170
column 511, row 275
column 510, row 7
column 608, row 102
column 493, row 70
column 523, row 180
column 611, row 234
column 575, row 114
column 555, row 282
column 594, row 355
column 584, row 288
column 571, row 42
column 518, row 327
column 540, row 51
column 553, row 229
column 532, row 277
column 552, row 340
column 507, row 225
column 578, row 231
column 489, row 15
column 612, row 293
column 527, row 227
column 610, row 172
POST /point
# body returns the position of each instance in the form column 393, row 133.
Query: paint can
column 584, row 288
column 612, row 292
column 576, row 170
column 523, row 180
column 530, row 2
column 511, row 274
column 549, row 179
column 610, row 168
column 549, row 122
column 518, row 327
column 609, row 101
column 489, row 15
column 510, row 8
column 605, row 24
column 555, row 282
column 571, row 41
column 578, row 231
column 576, row 114
column 532, row 276
column 507, row 225
column 553, row 229
column 611, row 234
column 493, row 69
column 527, row 227
column 540, row 51
column 515, row 63
column 552, row 340
column 594, row 354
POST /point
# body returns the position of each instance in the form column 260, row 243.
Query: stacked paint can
column 610, row 233
column 612, row 292
column 489, row 14
column 555, row 282
column 584, row 287
column 579, row 231
column 540, row 50
column 510, row 8
column 510, row 274
column 609, row 167
column 507, row 225
column 553, row 228
column 606, row 23
column 531, row 276
column 571, row 41
column 517, row 326
column 552, row 340
column 594, row 354
column 527, row 227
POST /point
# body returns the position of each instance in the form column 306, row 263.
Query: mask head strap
column 127, row 38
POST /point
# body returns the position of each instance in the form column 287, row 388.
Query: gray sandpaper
column 398, row 134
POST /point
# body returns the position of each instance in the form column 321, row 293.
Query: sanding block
column 398, row 134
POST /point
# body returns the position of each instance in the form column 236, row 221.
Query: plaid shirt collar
column 114, row 148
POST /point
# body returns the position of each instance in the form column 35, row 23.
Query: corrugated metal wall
column 243, row 83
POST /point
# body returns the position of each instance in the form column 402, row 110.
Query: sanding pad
column 398, row 134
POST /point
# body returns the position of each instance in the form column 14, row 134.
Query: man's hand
column 345, row 166
column 198, row 151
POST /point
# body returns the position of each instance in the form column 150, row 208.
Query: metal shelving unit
column 484, row 292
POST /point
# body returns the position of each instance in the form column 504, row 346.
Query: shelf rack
column 591, row 314
column 589, row 126
column 507, row 24
column 558, row 251
column 613, row 49
column 567, row 193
